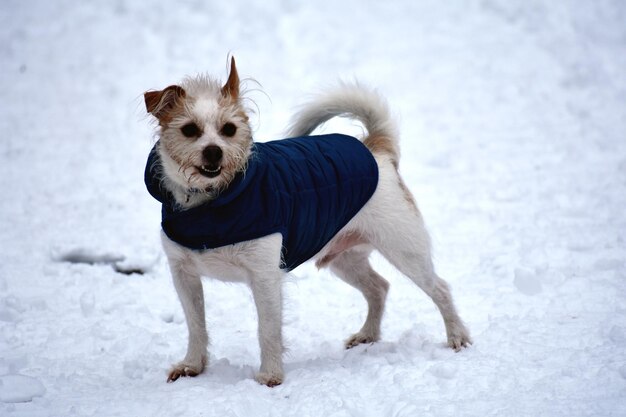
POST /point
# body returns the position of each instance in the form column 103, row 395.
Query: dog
column 210, row 176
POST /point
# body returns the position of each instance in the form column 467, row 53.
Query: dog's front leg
column 267, row 293
column 189, row 288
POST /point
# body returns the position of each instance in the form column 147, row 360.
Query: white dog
column 247, row 212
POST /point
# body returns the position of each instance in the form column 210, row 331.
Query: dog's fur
column 390, row 221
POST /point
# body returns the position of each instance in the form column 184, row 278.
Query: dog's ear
column 231, row 88
column 160, row 103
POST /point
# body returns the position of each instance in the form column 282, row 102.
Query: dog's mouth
column 210, row 171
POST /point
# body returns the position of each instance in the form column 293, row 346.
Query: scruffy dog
column 247, row 212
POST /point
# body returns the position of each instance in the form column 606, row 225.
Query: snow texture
column 19, row 388
column 513, row 121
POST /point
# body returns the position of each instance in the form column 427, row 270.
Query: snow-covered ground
column 513, row 119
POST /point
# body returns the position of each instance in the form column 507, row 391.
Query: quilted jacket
column 305, row 188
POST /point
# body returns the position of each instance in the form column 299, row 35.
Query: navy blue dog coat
column 304, row 188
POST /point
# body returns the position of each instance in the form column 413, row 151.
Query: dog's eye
column 190, row 130
column 229, row 130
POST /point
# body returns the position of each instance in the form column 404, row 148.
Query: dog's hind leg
column 404, row 241
column 189, row 288
column 353, row 267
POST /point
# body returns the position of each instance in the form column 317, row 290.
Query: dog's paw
column 359, row 338
column 271, row 379
column 184, row 369
column 459, row 338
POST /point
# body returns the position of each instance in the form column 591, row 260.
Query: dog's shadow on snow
column 221, row 371
column 364, row 355
column 355, row 356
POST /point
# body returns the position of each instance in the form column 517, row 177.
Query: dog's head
column 205, row 136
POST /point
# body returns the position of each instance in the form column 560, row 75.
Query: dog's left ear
column 160, row 103
column 231, row 88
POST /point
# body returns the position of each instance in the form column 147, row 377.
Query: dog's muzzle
column 212, row 155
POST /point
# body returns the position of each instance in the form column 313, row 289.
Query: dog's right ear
column 160, row 103
column 231, row 88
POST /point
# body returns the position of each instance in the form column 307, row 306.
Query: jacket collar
column 158, row 186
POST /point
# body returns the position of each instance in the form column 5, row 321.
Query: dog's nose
column 212, row 154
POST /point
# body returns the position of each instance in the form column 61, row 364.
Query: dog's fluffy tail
column 356, row 102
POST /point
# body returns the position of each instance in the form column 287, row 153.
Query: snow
column 527, row 281
column 513, row 121
column 19, row 388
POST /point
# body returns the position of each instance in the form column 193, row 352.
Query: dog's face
column 205, row 137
